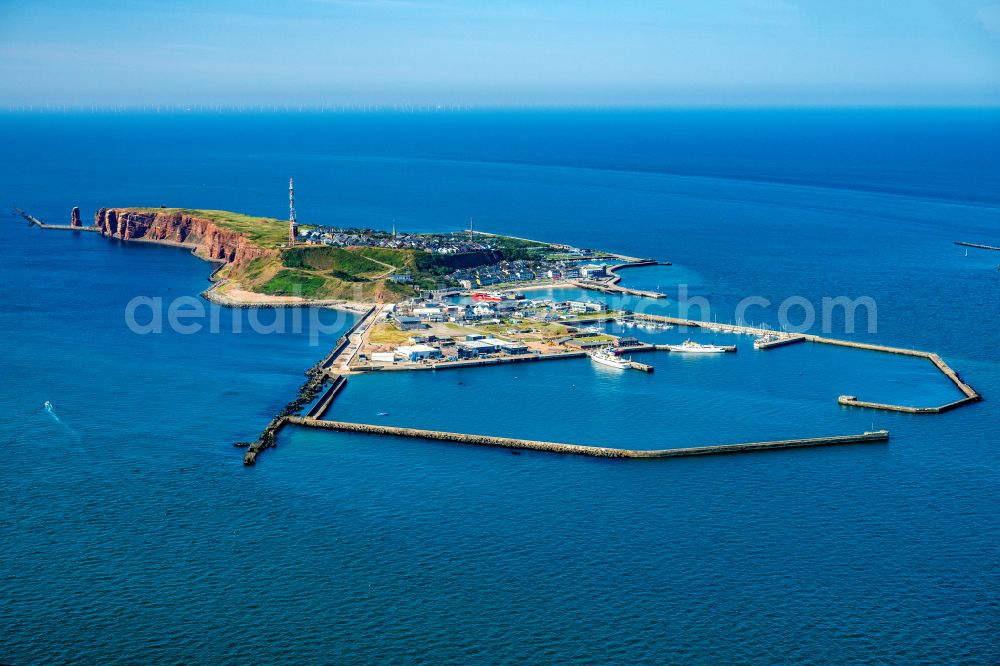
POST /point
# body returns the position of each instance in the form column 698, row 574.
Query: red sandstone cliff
column 213, row 241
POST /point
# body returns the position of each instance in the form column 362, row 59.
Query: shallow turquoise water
column 132, row 533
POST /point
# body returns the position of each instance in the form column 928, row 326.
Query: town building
column 415, row 353
column 406, row 323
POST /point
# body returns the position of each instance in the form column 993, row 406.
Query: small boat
column 383, row 413
column 696, row 348
column 605, row 356
column 764, row 340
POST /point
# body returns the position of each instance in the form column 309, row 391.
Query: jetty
column 977, row 245
column 779, row 342
column 593, row 451
column 32, row 220
column 323, row 404
column 612, row 286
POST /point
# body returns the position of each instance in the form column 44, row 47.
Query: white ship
column 606, row 357
column 696, row 348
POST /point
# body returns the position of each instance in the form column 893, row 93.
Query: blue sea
column 132, row 533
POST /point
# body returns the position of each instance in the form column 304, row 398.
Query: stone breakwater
column 212, row 241
column 593, row 451
column 318, row 375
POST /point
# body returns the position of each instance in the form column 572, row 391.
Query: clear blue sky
column 512, row 53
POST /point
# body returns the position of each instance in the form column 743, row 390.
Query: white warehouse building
column 418, row 352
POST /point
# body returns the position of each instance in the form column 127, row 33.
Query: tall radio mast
column 292, row 225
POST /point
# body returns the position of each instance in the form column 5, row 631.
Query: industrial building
column 414, row 353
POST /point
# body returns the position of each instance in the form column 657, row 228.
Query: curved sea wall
column 211, row 240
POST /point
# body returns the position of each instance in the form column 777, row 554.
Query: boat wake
column 55, row 417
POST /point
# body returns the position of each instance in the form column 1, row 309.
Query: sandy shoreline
column 241, row 298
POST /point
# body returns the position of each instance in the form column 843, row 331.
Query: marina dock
column 780, row 342
column 593, row 451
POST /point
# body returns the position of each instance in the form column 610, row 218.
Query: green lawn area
column 345, row 264
column 387, row 334
column 592, row 338
column 593, row 315
column 295, row 283
column 402, row 259
column 554, row 330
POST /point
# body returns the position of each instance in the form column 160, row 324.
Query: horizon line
column 262, row 109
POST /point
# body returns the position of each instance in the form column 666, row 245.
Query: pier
column 780, row 342
column 32, row 220
column 593, row 451
column 323, row 404
column 344, row 342
column 612, row 286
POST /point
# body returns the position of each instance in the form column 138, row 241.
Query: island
column 433, row 301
